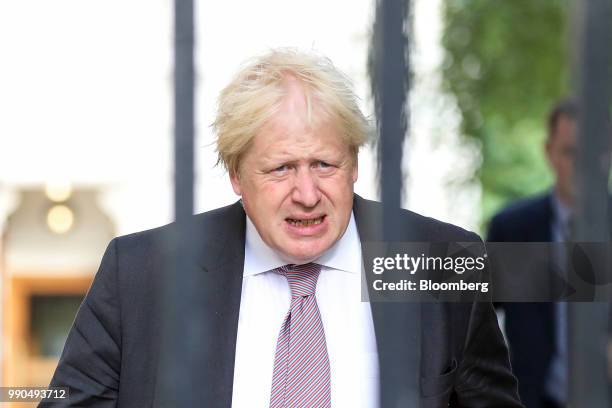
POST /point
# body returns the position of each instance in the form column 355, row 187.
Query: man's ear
column 235, row 179
column 355, row 169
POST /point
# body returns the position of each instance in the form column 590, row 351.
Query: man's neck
column 566, row 199
column 345, row 254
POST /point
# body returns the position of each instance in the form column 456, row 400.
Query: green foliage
column 506, row 64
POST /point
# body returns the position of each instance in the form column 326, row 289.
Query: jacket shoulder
column 524, row 220
column 523, row 209
column 216, row 221
column 436, row 230
column 413, row 226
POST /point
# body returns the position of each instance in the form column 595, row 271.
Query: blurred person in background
column 537, row 332
column 289, row 251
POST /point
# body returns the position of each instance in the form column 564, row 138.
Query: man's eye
column 323, row 165
column 281, row 169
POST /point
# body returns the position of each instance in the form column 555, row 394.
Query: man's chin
column 302, row 255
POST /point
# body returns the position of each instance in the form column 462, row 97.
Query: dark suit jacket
column 111, row 355
column 530, row 327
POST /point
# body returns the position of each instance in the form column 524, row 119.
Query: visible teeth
column 305, row 223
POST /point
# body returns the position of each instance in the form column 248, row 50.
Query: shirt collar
column 344, row 255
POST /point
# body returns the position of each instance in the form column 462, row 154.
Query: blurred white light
column 60, row 219
column 58, row 191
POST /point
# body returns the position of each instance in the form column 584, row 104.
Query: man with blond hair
column 283, row 269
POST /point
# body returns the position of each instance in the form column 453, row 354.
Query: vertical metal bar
column 183, row 109
column 400, row 364
column 392, row 86
column 183, row 356
column 588, row 321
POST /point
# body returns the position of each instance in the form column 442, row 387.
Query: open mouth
column 305, row 222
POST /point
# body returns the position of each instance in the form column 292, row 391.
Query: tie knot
column 302, row 278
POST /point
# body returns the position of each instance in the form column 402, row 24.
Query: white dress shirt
column 349, row 330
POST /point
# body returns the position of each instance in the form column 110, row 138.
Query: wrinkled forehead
column 289, row 137
column 291, row 133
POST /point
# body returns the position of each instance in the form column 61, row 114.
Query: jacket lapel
column 222, row 263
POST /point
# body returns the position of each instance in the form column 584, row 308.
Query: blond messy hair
column 255, row 94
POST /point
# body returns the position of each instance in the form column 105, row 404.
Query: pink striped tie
column 301, row 366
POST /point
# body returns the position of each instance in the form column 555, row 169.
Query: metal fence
column 184, row 342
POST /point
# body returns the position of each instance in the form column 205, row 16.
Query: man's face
column 296, row 182
column 561, row 152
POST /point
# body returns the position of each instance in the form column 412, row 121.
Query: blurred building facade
column 51, row 246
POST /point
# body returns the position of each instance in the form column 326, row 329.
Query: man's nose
column 306, row 189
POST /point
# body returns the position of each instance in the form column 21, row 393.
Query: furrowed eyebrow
column 272, row 162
